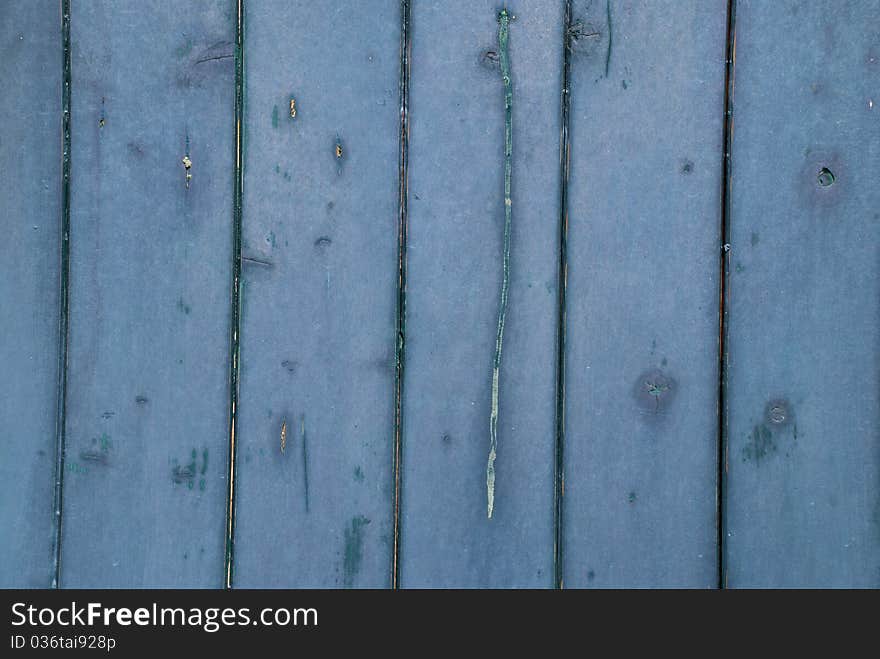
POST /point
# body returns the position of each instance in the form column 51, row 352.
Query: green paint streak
column 185, row 49
column 275, row 116
column 503, row 38
column 610, row 37
column 305, row 454
column 761, row 444
column 354, row 549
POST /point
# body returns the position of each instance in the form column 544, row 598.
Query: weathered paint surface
column 318, row 314
column 644, row 249
column 456, row 212
column 152, row 219
column 150, row 252
column 803, row 498
column 30, row 214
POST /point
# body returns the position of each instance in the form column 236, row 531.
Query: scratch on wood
column 251, row 259
column 504, row 21
column 214, row 58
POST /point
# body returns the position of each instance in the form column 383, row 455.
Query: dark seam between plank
column 235, row 306
column 400, row 338
column 564, row 160
column 724, row 272
column 64, row 291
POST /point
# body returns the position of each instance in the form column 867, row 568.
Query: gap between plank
column 64, row 288
column 235, row 308
column 562, row 283
column 724, row 272
column 400, row 337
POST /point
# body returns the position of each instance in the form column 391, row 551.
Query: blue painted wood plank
column 30, row 208
column 456, row 219
column 803, row 496
column 144, row 494
column 644, row 250
column 320, row 286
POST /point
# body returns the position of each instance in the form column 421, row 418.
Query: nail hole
column 777, row 412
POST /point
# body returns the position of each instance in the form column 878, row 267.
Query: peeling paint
column 187, row 165
column 503, row 35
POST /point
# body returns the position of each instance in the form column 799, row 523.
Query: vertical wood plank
column 150, row 252
column 454, row 276
column 643, row 261
column 320, row 288
column 30, row 159
column 803, row 495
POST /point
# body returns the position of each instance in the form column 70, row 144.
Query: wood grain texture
column 643, row 258
column 803, row 500
column 30, row 214
column 148, row 395
column 456, row 215
column 320, row 292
